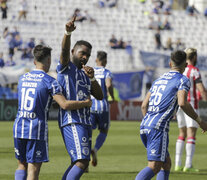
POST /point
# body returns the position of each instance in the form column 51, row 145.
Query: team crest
column 85, row 151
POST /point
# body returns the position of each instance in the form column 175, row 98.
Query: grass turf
column 121, row 157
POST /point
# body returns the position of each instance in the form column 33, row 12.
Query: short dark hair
column 178, row 57
column 82, row 42
column 40, row 52
column 101, row 55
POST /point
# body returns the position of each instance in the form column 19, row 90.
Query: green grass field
column 121, row 157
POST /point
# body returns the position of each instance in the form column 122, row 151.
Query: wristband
column 67, row 33
column 92, row 79
column 198, row 119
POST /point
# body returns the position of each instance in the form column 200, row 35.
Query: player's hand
column 203, row 125
column 88, row 102
column 70, row 26
column 89, row 71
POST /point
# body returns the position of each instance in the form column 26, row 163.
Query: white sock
column 179, row 150
column 190, row 149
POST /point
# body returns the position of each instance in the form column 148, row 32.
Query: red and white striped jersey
column 194, row 75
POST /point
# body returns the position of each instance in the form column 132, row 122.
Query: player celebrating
column 35, row 92
column 100, row 109
column 77, row 85
column 187, row 126
column 158, row 107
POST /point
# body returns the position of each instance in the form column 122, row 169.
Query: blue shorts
column 77, row 139
column 31, row 150
column 101, row 119
column 156, row 143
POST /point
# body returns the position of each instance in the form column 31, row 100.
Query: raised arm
column 66, row 42
column 188, row 109
column 71, row 105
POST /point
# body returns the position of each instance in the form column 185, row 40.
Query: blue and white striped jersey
column 163, row 100
column 35, row 91
column 101, row 105
column 76, row 86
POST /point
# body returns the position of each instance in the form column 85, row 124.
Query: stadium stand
column 129, row 20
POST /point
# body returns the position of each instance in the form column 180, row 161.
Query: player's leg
column 77, row 139
column 165, row 170
column 190, row 149
column 21, row 171
column 33, row 171
column 181, row 140
column 20, row 154
column 103, row 120
column 190, row 145
column 150, row 171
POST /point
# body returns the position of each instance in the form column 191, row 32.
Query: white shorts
column 185, row 121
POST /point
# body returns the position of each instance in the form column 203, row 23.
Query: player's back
column 101, row 73
column 35, row 90
column 163, row 100
column 193, row 74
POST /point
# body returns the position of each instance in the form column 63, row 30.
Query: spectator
column 107, row 3
column 166, row 25
column 15, row 32
column 179, row 44
column 23, row 9
column 113, row 42
column 169, row 44
column 89, row 17
column 1, row 60
column 192, row 11
column 6, row 32
column 4, row 8
column 25, row 55
column 205, row 12
column 158, row 40
column 167, row 9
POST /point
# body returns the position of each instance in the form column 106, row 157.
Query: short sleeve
column 109, row 75
column 184, row 84
column 196, row 74
column 60, row 68
column 55, row 88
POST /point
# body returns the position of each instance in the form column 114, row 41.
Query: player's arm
column 109, row 87
column 66, row 42
column 188, row 109
column 71, row 105
column 202, row 90
column 96, row 90
column 145, row 103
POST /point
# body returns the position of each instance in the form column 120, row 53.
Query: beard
column 78, row 63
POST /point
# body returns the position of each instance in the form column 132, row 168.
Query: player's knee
column 22, row 165
column 82, row 163
column 155, row 166
column 105, row 131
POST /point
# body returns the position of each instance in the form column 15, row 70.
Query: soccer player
column 187, row 126
column 158, row 108
column 78, row 83
column 36, row 89
column 100, row 108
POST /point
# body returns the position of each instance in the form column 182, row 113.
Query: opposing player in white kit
column 187, row 126
column 100, row 108
column 36, row 89
column 158, row 108
column 78, row 83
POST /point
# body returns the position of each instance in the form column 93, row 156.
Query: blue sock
column 66, row 172
column 145, row 174
column 75, row 173
column 163, row 175
column 20, row 175
column 100, row 140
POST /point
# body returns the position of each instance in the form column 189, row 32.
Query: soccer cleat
column 178, row 168
column 94, row 157
column 185, row 169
